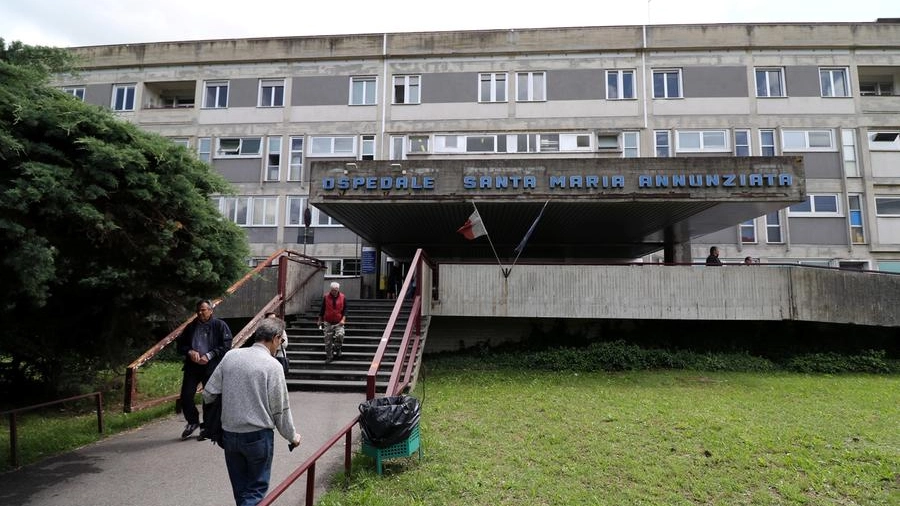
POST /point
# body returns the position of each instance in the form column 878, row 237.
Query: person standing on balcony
column 255, row 402
column 203, row 343
column 331, row 321
column 713, row 258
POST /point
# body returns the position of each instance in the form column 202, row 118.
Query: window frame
column 811, row 199
column 627, row 147
column 367, row 147
column 411, row 91
column 491, row 94
column 276, row 98
column 204, row 149
column 128, row 98
column 665, row 92
column 621, row 87
column 295, row 160
column 250, row 210
column 418, row 144
column 778, row 226
column 879, row 213
column 221, row 96
column 738, row 144
column 368, row 90
column 702, row 141
column 766, row 72
column 855, row 213
column 317, row 216
column 289, row 219
column 744, row 226
column 830, row 91
column 74, row 91
column 273, row 143
column 785, row 147
column 315, row 143
column 220, row 153
column 667, row 145
column 535, row 86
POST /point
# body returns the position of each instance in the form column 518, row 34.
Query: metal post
column 311, row 484
column 13, row 441
column 100, row 412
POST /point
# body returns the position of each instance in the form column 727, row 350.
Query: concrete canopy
column 603, row 209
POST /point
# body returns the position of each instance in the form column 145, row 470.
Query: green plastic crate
column 404, row 448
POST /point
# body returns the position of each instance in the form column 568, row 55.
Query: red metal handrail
column 14, row 428
column 405, row 355
column 131, row 370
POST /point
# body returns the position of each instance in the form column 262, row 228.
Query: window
column 332, row 146
column 295, row 171
column 816, row 205
column 249, row 211
column 848, row 147
column 216, row 94
column 320, row 219
column 531, row 86
column 884, row 141
column 662, row 142
column 481, row 144
column 748, row 232
column 767, row 142
column 773, row 228
column 701, row 141
column 807, row 140
column 608, row 142
column 362, row 90
column 667, row 83
column 619, row 84
column 397, row 152
column 769, row 83
column 857, row 231
column 123, row 97
column 406, row 89
column 295, row 207
column 273, row 159
column 887, row 206
column 835, row 82
column 77, row 92
column 418, row 144
column 884, row 88
column 204, row 149
column 742, row 143
column 239, row 146
column 342, row 267
column 492, row 87
column 631, row 144
column 367, row 147
column 271, row 92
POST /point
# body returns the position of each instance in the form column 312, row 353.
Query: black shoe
column 328, row 359
column 203, row 436
column 189, row 429
column 337, row 354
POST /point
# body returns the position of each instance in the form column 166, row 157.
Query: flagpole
column 488, row 234
column 527, row 235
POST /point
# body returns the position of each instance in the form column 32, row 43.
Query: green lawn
column 667, row 438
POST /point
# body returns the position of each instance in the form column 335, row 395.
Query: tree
column 104, row 228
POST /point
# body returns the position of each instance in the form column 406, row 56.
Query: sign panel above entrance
column 595, row 208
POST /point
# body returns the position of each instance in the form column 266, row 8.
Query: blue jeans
column 248, row 457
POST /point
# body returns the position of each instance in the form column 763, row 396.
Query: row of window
column 262, row 211
column 493, row 87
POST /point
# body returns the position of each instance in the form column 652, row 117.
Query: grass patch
column 505, row 436
column 65, row 427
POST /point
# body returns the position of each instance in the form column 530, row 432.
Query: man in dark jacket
column 713, row 258
column 203, row 343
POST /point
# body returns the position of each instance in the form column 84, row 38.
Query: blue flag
column 524, row 240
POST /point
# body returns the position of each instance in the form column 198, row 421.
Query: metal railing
column 405, row 364
column 282, row 296
column 14, row 428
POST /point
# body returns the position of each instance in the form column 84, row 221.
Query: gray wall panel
column 709, row 82
column 261, row 234
column 576, row 84
column 243, row 93
column 338, row 235
column 321, row 90
column 823, row 231
column 821, row 165
column 802, row 81
column 450, row 87
column 244, row 170
column 98, row 94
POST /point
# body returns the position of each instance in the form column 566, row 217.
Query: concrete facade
column 261, row 110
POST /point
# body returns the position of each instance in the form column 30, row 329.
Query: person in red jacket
column 331, row 321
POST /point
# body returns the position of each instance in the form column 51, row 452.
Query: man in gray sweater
column 254, row 402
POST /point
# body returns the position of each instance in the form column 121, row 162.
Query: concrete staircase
column 366, row 321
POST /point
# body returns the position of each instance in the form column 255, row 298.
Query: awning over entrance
column 596, row 209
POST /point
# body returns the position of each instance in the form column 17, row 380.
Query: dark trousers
column 248, row 457
column 194, row 375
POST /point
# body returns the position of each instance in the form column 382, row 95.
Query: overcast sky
column 97, row 22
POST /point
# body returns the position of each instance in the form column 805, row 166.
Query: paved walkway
column 151, row 466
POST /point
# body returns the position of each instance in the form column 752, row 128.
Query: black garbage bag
column 386, row 421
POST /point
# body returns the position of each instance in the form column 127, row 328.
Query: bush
column 869, row 361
